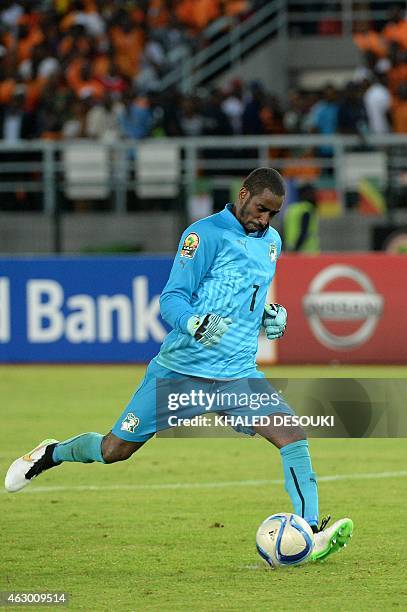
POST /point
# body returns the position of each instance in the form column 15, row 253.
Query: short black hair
column 264, row 178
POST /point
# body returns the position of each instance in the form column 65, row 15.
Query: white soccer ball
column 284, row 539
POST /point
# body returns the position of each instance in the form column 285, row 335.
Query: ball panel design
column 284, row 539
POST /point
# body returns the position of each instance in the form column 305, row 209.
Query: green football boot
column 329, row 540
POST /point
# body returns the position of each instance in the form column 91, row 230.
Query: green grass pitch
column 161, row 531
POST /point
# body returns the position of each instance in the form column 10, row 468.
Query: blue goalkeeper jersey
column 222, row 270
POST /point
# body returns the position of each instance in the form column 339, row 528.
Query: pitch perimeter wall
column 341, row 308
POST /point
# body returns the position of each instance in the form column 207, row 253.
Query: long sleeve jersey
column 222, row 270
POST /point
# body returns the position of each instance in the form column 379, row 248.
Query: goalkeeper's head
column 260, row 199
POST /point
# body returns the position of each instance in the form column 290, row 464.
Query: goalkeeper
column 215, row 302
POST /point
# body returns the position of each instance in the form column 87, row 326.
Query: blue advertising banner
column 81, row 309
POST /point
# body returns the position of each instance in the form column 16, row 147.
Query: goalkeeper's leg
column 299, row 477
column 301, row 485
column 134, row 427
column 90, row 447
column 85, row 448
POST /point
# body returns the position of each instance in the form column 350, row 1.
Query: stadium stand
column 72, row 61
column 89, row 89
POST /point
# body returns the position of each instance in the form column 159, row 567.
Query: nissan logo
column 365, row 306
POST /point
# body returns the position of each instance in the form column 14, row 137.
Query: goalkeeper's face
column 256, row 211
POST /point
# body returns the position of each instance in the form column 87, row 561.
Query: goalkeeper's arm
column 188, row 270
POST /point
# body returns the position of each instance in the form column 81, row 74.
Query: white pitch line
column 204, row 485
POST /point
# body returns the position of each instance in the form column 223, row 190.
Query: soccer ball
column 284, row 539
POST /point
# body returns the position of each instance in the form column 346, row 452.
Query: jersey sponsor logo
column 273, row 251
column 362, row 307
column 130, row 423
column 190, row 246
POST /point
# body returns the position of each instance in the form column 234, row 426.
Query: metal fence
column 53, row 175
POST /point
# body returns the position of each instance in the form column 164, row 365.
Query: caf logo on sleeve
column 190, row 246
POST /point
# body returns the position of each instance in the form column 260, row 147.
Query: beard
column 248, row 225
column 251, row 226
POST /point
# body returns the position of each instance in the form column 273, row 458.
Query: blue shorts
column 163, row 394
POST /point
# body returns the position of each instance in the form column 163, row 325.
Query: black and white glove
column 208, row 329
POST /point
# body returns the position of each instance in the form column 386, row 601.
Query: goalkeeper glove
column 274, row 320
column 208, row 329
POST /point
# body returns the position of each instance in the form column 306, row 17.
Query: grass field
column 173, row 528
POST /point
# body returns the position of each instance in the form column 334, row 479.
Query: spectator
column 151, row 67
column 395, row 32
column 170, row 103
column 86, row 85
column 205, row 11
column 41, row 64
column 271, row 116
column 352, row 118
column 154, row 52
column 377, row 101
column 75, row 126
column 135, row 119
column 323, row 118
column 102, row 120
column 11, row 14
column 94, row 47
column 176, row 40
column 233, row 8
column 87, row 17
column 56, row 99
column 191, row 119
column 128, row 42
column 397, row 75
column 215, row 120
column 197, row 13
column 111, row 79
column 158, row 13
column 233, row 107
column 15, row 122
column 399, row 110
column 251, row 119
column 27, row 39
column 50, row 123
column 294, row 116
column 301, row 222
column 370, row 42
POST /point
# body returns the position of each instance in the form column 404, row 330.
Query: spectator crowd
column 92, row 68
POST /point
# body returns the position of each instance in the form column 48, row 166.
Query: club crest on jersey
column 273, row 251
column 190, row 246
column 130, row 423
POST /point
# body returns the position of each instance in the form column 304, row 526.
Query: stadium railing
column 169, row 168
column 232, row 38
column 235, row 37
